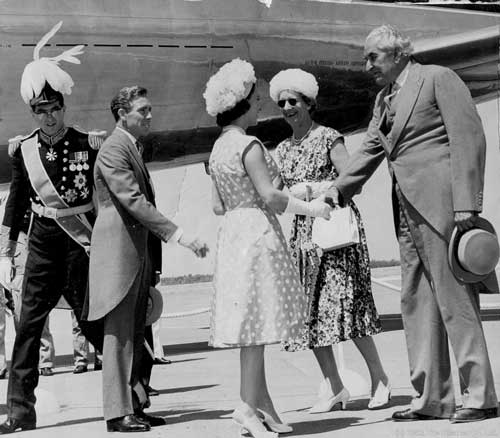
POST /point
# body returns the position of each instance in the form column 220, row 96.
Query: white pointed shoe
column 326, row 404
column 273, row 425
column 252, row 424
column 381, row 398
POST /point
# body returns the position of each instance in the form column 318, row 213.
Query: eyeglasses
column 292, row 101
column 45, row 113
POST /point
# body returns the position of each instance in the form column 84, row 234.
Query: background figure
column 81, row 349
column 258, row 298
column 47, row 351
column 125, row 262
column 426, row 124
column 3, row 359
column 160, row 358
column 337, row 283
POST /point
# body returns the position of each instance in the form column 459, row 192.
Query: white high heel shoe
column 381, row 398
column 273, row 425
column 252, row 425
column 326, row 404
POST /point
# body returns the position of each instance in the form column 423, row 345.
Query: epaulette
column 16, row 141
column 96, row 136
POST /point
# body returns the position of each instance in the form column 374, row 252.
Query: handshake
column 325, row 198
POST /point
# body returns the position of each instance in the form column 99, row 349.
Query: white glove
column 316, row 208
column 6, row 271
column 299, row 190
column 194, row 244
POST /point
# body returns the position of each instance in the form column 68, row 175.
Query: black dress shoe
column 151, row 391
column 4, row 374
column 97, row 364
column 12, row 425
column 466, row 415
column 79, row 369
column 46, row 371
column 162, row 361
column 409, row 415
column 150, row 419
column 128, row 423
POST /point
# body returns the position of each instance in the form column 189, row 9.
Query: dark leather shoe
column 46, row 371
column 97, row 364
column 409, row 415
column 12, row 425
column 150, row 419
column 128, row 423
column 4, row 374
column 79, row 369
column 162, row 361
column 151, row 391
column 466, row 415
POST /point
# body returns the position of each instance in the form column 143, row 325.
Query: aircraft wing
column 473, row 55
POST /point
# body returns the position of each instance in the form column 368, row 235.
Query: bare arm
column 217, row 203
column 256, row 167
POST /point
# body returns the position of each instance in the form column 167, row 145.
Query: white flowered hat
column 293, row 79
column 43, row 76
column 230, row 85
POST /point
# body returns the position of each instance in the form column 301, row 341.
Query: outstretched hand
column 194, row 244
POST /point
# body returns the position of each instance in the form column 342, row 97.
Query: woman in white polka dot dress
column 258, row 298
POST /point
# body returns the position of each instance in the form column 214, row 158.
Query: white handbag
column 339, row 231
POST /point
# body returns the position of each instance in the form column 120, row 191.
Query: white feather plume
column 42, row 70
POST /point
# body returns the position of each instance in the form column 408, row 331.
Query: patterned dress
column 337, row 283
column 258, row 297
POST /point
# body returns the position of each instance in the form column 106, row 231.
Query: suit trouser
column 56, row 265
column 435, row 307
column 125, row 371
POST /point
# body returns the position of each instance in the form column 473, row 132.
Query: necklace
column 298, row 141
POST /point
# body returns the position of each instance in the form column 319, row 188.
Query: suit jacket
column 435, row 148
column 127, row 224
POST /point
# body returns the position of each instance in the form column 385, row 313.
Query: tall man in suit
column 425, row 123
column 125, row 261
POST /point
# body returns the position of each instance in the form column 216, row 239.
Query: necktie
column 139, row 147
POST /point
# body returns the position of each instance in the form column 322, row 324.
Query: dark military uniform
column 56, row 264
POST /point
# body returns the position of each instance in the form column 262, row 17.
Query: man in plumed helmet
column 52, row 175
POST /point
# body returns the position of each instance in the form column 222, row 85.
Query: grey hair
column 390, row 38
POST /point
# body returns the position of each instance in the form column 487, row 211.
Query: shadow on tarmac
column 184, row 389
column 187, row 415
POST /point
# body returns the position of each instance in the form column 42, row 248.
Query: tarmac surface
column 200, row 389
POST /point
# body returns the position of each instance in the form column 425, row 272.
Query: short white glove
column 194, row 244
column 316, row 208
column 299, row 190
column 6, row 272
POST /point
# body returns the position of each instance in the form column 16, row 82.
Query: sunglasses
column 292, row 101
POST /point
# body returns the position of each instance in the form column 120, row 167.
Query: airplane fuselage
column 173, row 46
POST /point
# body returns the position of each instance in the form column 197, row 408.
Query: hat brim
column 155, row 306
column 457, row 269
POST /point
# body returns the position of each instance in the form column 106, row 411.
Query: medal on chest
column 78, row 161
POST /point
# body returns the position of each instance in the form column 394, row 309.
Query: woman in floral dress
column 258, row 298
column 337, row 283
